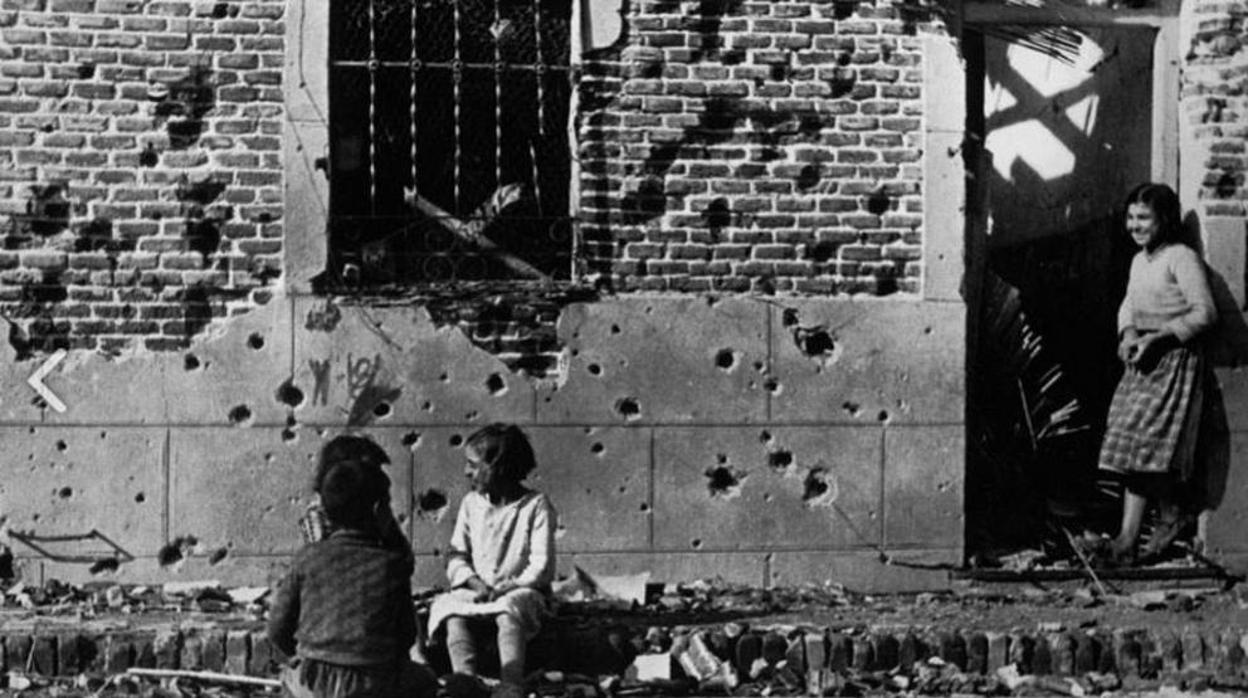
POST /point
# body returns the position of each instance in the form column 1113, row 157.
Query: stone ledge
column 607, row 648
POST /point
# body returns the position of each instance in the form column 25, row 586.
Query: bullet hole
column 445, row 377
column 190, row 362
column 927, row 330
column 628, row 408
column 288, row 435
column 256, row 341
column 851, row 408
column 772, row 385
column 203, row 191
column 382, row 409
column 240, row 415
column 725, row 359
column 140, row 498
column 815, row 342
column 149, row 157
column 176, row 550
column 61, row 446
column 368, row 405
column 471, row 415
column 765, row 436
column 883, row 416
column 495, row 384
column 411, row 439
column 615, row 329
column 780, row 460
column 597, row 449
column 104, row 566
column 878, row 203
column 808, row 177
column 594, row 369
column 65, row 492
column 456, row 440
column 426, row 406
column 289, row 395
column 221, row 10
column 721, row 458
column 86, row 71
column 789, row 317
column 723, row 482
column 819, row 487
column 49, row 209
column 768, row 497
column 1227, row 185
column 644, row 508
column 717, row 215
column 431, row 504
column 218, row 555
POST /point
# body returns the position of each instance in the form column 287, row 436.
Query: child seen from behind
column 344, row 611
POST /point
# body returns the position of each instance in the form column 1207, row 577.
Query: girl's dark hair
column 1165, row 204
column 504, row 446
column 347, row 448
column 350, row 492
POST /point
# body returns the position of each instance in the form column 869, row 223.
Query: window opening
column 450, row 157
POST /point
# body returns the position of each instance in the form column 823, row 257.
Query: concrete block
column 265, row 658
column 661, row 360
column 856, row 570
column 74, row 654
column 167, row 648
column 1022, row 652
column 862, row 656
column 267, row 481
column 868, row 362
column 305, row 248
column 1234, row 384
column 43, row 655
column 192, row 657
column 599, row 481
column 976, row 653
column 1042, row 656
column 816, row 650
column 214, row 649
column 233, row 375
column 237, row 651
column 394, row 366
column 119, row 654
column 70, row 480
column 953, row 649
column 723, row 488
column 1227, row 522
column 923, row 483
column 749, row 650
column 910, row 649
column 1193, row 650
column 145, row 651
column 885, row 652
column 1086, row 653
column 17, row 651
column 998, row 650
column 838, row 651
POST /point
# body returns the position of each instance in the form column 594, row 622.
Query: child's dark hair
column 350, row 493
column 505, row 446
column 1166, row 208
column 347, row 448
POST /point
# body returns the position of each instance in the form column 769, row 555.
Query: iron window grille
column 449, row 149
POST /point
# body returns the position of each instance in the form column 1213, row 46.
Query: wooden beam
column 1062, row 15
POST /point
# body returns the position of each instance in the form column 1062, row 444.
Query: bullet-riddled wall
column 756, row 371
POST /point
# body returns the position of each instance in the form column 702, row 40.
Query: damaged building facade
column 783, row 292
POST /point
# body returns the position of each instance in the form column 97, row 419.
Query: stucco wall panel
column 69, row 480
column 896, row 362
column 661, row 360
column 733, row 488
column 349, row 360
column 1226, row 524
column 923, row 474
column 264, row 479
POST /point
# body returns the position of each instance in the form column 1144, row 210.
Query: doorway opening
column 1064, row 122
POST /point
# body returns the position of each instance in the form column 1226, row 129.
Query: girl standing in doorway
column 1155, row 414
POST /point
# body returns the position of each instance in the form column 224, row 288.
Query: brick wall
column 140, row 168
column 755, row 146
column 1214, row 105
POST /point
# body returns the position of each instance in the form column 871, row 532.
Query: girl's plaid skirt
column 1154, row 418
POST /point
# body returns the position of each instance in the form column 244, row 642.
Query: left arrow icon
column 36, row 381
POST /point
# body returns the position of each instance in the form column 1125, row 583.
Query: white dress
column 511, row 547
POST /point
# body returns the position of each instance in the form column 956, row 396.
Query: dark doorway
column 1063, row 118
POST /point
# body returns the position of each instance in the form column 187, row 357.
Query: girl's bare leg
column 510, row 650
column 460, row 646
column 1133, row 505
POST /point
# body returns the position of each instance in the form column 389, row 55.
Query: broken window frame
column 480, row 230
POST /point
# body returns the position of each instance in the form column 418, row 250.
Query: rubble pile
column 619, row 637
